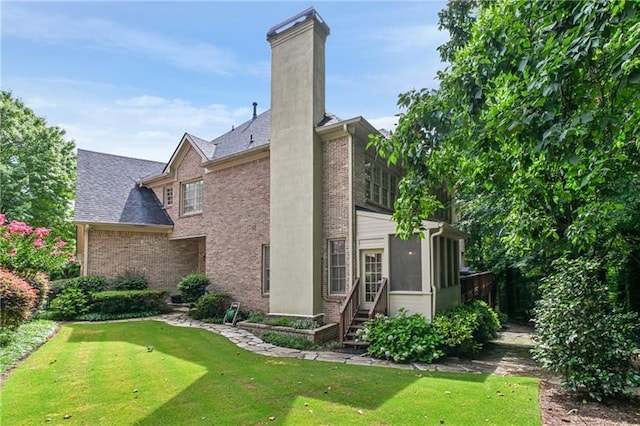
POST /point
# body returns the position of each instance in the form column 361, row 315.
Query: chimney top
column 255, row 106
column 309, row 13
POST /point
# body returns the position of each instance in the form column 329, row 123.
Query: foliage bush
column 582, row 334
column 130, row 281
column 192, row 287
column 402, row 338
column 288, row 341
column 456, row 328
column 210, row 306
column 70, row 303
column 465, row 329
column 17, row 300
column 129, row 301
column 88, row 284
column 299, row 324
column 40, row 283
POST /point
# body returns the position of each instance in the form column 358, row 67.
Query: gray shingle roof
column 250, row 134
column 106, row 190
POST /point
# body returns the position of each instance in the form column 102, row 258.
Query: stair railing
column 380, row 303
column 349, row 309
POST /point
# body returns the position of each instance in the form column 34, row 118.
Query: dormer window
column 192, row 197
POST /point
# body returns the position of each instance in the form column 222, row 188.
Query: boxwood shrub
column 118, row 302
column 211, row 306
column 130, row 281
column 87, row 284
column 192, row 287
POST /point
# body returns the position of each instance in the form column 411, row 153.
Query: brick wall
column 162, row 261
column 336, row 209
column 234, row 222
column 188, row 168
column 237, row 226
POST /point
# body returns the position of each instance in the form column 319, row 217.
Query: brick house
column 289, row 212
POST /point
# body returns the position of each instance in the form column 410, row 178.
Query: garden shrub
column 456, row 327
column 40, row 283
column 130, row 281
column 91, row 283
column 465, row 329
column 402, row 338
column 88, row 284
column 70, row 303
column 192, row 287
column 300, row 324
column 488, row 322
column 17, row 300
column 210, row 306
column 582, row 334
column 288, row 341
column 129, row 301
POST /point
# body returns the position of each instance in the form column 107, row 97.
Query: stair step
column 355, row 343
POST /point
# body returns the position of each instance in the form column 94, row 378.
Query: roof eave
column 246, row 152
column 124, row 224
column 348, row 125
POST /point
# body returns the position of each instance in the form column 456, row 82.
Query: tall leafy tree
column 37, row 169
column 536, row 126
column 538, row 120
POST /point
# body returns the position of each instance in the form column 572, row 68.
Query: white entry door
column 371, row 276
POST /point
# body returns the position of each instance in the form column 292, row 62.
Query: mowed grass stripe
column 104, row 374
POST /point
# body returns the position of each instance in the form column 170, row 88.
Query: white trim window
column 266, row 269
column 380, row 184
column 192, row 197
column 337, row 266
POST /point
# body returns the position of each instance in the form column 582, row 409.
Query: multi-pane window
column 266, row 269
column 380, row 184
column 447, row 256
column 375, row 190
column 168, row 196
column 337, row 266
column 192, row 197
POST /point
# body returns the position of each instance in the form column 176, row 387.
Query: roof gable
column 204, row 148
column 107, row 190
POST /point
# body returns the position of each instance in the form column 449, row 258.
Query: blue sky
column 129, row 78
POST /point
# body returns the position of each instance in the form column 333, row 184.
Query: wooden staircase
column 351, row 338
column 352, row 316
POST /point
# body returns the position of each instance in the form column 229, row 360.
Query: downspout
column 439, row 232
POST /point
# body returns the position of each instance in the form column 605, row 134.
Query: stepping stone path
column 508, row 354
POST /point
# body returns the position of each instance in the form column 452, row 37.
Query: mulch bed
column 560, row 407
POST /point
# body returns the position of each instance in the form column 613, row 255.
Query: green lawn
column 106, row 374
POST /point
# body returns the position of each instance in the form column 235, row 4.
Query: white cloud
column 96, row 33
column 141, row 126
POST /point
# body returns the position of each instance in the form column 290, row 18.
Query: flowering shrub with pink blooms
column 27, row 251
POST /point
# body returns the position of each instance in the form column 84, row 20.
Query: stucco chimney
column 297, row 106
